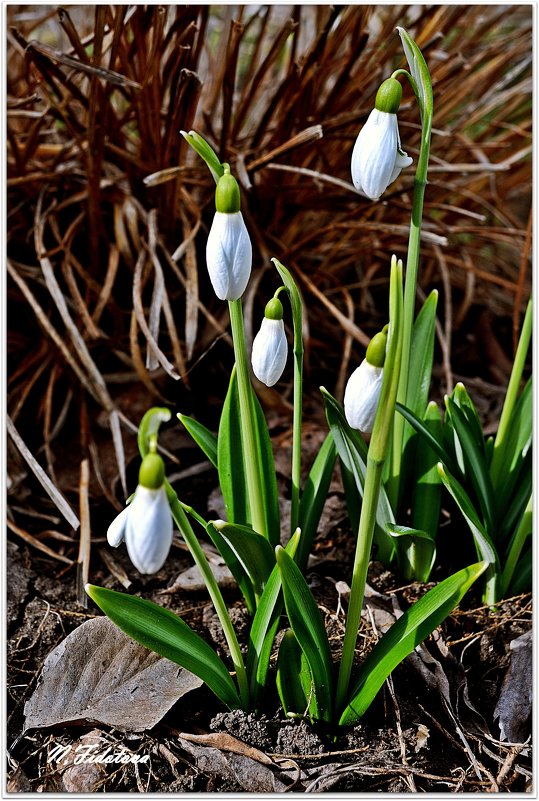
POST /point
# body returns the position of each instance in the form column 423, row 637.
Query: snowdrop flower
column 270, row 347
column 377, row 158
column 364, row 386
column 228, row 250
column 146, row 524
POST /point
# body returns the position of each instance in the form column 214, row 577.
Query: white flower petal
column 377, row 158
column 229, row 255
column 270, row 350
column 362, row 395
column 374, row 154
column 403, row 160
column 148, row 533
column 116, row 530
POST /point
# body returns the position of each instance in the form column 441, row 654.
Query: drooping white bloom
column 229, row 255
column 377, row 158
column 362, row 395
column 270, row 350
column 146, row 526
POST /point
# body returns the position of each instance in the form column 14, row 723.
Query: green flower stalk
column 377, row 453
column 421, row 84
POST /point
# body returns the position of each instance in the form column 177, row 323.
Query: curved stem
column 199, row 556
column 412, row 263
column 250, row 450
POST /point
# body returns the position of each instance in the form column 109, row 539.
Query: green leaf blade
column 252, row 550
column 204, row 438
column 308, row 627
column 168, row 635
column 230, row 461
column 409, row 630
column 265, row 624
column 314, row 496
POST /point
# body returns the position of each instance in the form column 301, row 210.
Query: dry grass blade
column 35, row 543
column 85, row 541
column 139, row 313
column 52, row 491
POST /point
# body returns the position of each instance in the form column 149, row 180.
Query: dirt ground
column 423, row 734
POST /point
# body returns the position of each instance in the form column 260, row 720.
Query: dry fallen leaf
column 99, row 674
column 250, row 774
column 514, row 705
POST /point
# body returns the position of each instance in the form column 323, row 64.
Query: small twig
column 85, row 542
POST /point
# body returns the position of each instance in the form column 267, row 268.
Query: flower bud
column 362, row 395
column 229, row 255
column 270, row 348
column 377, row 158
column 364, row 386
column 146, row 524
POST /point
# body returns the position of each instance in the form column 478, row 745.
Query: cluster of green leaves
column 270, row 577
column 272, row 582
column 411, row 547
column 490, row 479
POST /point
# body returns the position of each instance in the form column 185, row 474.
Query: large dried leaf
column 99, row 674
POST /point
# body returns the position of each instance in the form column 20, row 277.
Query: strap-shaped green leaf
column 516, row 446
column 416, row 550
column 269, row 477
column 411, row 629
column 463, row 400
column 522, row 578
column 294, row 679
column 483, row 542
column 439, row 449
column 421, row 357
column 308, row 627
column 314, row 496
column 235, row 566
column 252, row 550
column 168, row 635
column 474, row 461
column 204, row 438
column 427, row 489
column 352, row 451
column 230, row 460
column 517, row 502
column 265, row 624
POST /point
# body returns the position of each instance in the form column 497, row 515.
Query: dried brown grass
column 108, row 211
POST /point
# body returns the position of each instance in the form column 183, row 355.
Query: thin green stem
column 373, row 478
column 249, row 442
column 296, row 429
column 215, row 594
column 376, row 456
column 511, row 395
column 410, row 285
